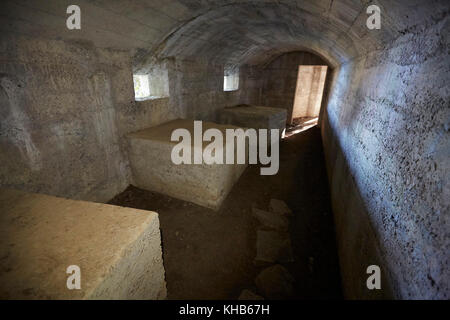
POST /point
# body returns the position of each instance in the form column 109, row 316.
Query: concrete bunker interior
column 369, row 185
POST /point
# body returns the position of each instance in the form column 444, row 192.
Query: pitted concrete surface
column 387, row 145
column 118, row 250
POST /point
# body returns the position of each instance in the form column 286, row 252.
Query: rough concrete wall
column 144, row 114
column 196, row 88
column 280, row 79
column 386, row 139
column 65, row 107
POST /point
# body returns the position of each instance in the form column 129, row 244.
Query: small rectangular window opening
column 153, row 85
column 141, row 87
column 231, row 79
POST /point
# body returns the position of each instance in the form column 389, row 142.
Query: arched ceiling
column 226, row 31
column 254, row 32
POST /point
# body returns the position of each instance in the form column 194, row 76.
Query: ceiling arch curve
column 252, row 32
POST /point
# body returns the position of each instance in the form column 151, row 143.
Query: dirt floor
column 209, row 255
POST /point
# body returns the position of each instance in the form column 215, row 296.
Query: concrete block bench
column 117, row 250
column 256, row 117
column 204, row 184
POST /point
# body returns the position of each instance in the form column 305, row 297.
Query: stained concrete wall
column 386, row 140
column 65, row 109
column 197, row 88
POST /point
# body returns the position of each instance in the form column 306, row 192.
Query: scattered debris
column 275, row 283
column 280, row 207
column 273, row 246
column 249, row 295
column 271, row 220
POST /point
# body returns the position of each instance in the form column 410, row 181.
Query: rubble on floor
column 275, row 283
column 273, row 245
column 271, row 220
column 280, row 207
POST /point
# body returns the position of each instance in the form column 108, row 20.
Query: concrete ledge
column 256, row 117
column 117, row 249
column 153, row 169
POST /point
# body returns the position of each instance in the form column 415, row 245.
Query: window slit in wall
column 230, row 79
column 141, row 86
column 153, row 85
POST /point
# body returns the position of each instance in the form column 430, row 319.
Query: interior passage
column 357, row 92
column 211, row 255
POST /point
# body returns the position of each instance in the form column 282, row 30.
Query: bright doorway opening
column 308, row 92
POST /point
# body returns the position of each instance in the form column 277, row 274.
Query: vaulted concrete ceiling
column 253, row 32
column 226, row 31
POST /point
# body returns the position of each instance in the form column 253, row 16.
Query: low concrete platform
column 118, row 250
column 256, row 117
column 203, row 184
